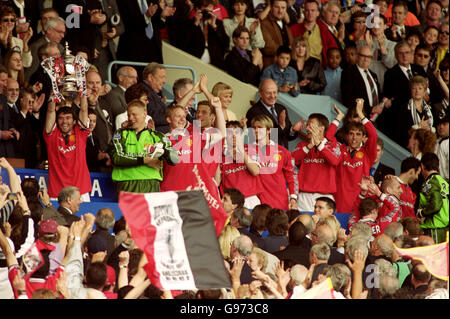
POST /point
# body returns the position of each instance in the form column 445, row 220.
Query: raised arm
column 220, row 119
column 50, row 118
column 14, row 181
column 83, row 115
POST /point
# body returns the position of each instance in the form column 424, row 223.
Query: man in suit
column 378, row 171
column 69, row 200
column 358, row 82
column 295, row 250
column 154, row 78
column 316, row 31
column 126, row 77
column 47, row 50
column 12, row 95
column 398, row 31
column 104, row 129
column 268, row 93
column 243, row 64
column 142, row 21
column 275, row 31
column 396, row 87
column 8, row 134
column 54, row 31
column 29, row 128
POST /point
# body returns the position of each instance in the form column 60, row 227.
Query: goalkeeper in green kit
column 433, row 205
column 137, row 153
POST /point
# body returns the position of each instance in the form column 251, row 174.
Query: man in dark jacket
column 243, row 64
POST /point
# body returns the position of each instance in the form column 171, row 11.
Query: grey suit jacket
column 116, row 101
column 34, row 48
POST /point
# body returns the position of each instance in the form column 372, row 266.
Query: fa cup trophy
column 68, row 76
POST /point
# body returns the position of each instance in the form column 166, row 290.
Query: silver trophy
column 68, row 76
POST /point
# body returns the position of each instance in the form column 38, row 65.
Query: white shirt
column 21, row 7
column 366, row 82
column 405, row 70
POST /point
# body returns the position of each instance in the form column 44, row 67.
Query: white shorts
column 84, row 197
column 251, row 202
column 307, row 201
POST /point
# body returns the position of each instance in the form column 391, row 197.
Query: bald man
column 103, row 130
column 267, row 105
column 126, row 77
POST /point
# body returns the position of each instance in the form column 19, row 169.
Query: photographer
column 205, row 36
column 107, row 24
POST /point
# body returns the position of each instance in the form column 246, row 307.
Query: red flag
column 434, row 257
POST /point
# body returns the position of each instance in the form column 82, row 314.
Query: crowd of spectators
column 390, row 70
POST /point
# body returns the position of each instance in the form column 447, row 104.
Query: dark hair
column 292, row 214
column 283, row 49
column 422, row 46
column 355, row 126
column 408, row 163
column 208, row 294
column 66, row 110
column 119, row 225
column 206, row 103
column 420, row 273
column 330, row 203
column 96, row 275
column 431, row 27
column 153, row 293
column 135, row 92
column 433, row 1
column 237, row 32
column 236, row 196
column 259, row 215
column 234, row 124
column 331, row 50
column 277, row 222
column 411, row 225
column 366, row 206
column 430, row 162
column 123, row 291
column 322, row 119
column 297, row 232
column 400, row 4
column 30, row 187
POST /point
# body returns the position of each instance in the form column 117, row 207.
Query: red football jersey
column 236, row 175
column 317, row 172
column 192, row 148
column 67, row 162
column 389, row 211
column 407, row 201
column 277, row 170
column 353, row 166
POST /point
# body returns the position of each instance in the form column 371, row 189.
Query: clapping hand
column 340, row 115
column 299, row 126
